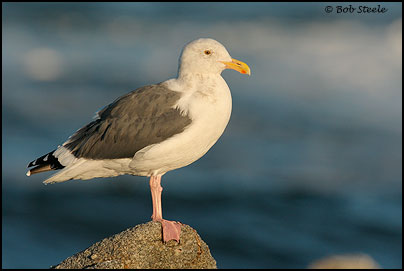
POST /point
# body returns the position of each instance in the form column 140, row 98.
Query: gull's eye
column 208, row 52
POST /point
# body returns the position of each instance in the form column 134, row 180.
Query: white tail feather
column 85, row 169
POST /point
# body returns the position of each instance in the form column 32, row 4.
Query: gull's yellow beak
column 237, row 65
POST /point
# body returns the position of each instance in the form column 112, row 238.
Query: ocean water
column 309, row 166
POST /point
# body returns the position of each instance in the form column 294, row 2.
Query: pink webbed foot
column 171, row 230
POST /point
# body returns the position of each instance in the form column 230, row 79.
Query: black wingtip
column 32, row 163
column 47, row 159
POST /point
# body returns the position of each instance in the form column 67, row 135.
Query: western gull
column 153, row 129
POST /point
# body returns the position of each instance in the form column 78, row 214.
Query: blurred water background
column 309, row 165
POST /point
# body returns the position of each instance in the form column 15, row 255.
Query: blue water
column 309, row 165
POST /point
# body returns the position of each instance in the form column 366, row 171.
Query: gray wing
column 140, row 118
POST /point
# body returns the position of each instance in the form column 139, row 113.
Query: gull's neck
column 192, row 76
column 189, row 82
column 202, row 93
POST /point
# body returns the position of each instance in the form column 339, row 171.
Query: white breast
column 207, row 100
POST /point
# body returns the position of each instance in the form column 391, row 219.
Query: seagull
column 153, row 129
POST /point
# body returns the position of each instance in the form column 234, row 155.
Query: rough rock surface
column 142, row 247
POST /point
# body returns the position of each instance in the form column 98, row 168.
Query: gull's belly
column 208, row 124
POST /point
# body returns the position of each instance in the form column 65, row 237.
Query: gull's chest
column 207, row 99
column 209, row 107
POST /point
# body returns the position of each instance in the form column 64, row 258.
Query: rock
column 142, row 247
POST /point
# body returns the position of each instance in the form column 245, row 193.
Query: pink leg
column 171, row 229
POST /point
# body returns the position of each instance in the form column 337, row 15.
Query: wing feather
column 140, row 118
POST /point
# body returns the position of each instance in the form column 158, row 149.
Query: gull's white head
column 208, row 56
